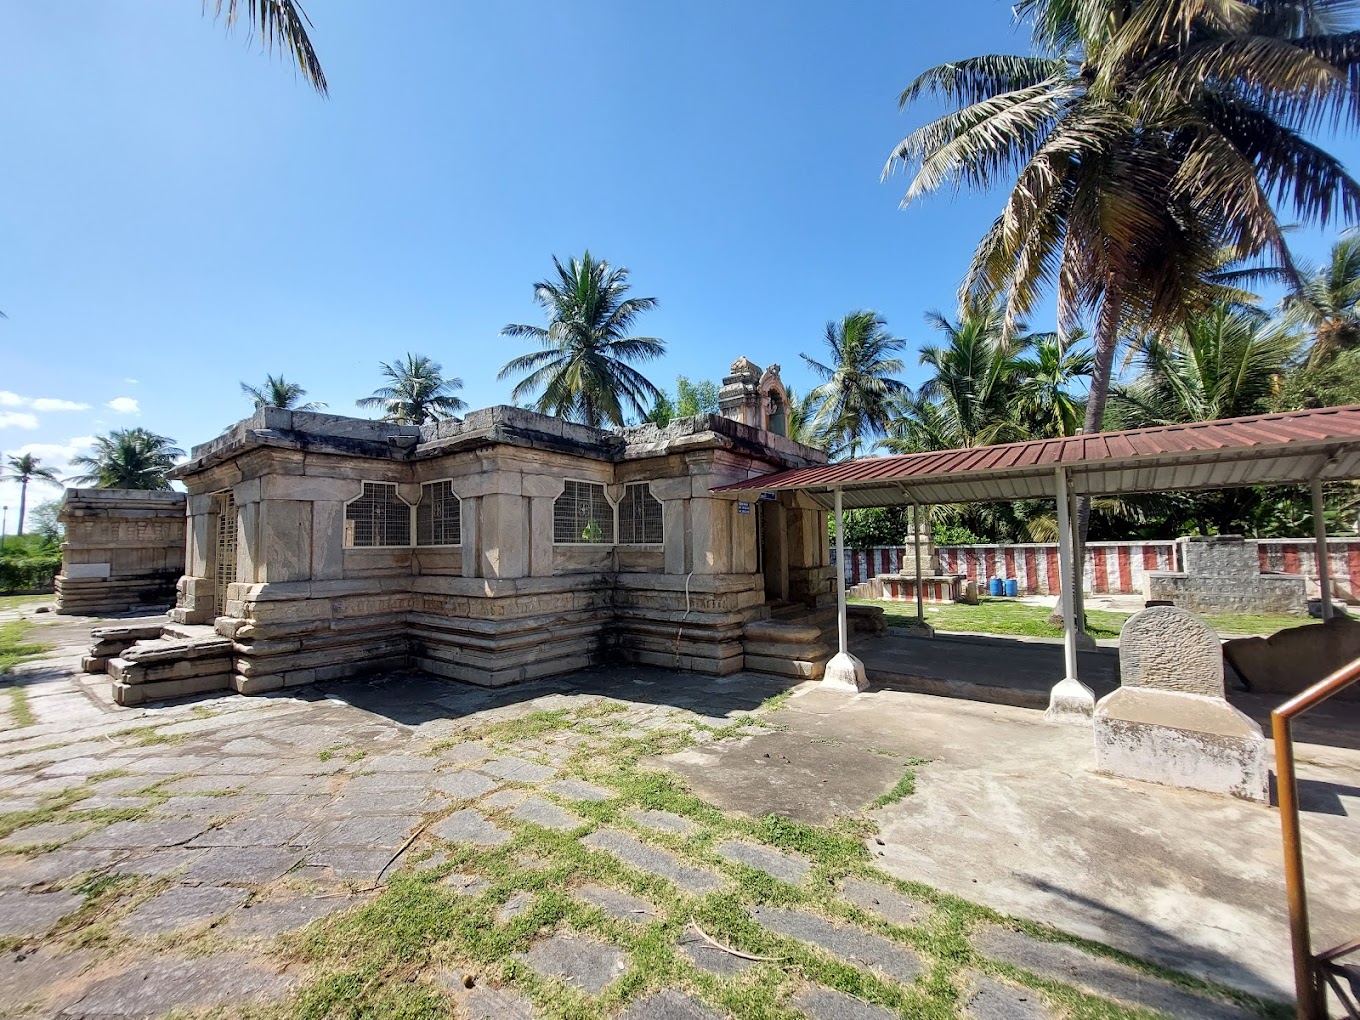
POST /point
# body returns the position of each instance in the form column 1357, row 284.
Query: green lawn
column 18, row 601
column 14, row 649
column 1013, row 618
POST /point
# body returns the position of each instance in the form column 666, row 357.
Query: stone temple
column 503, row 546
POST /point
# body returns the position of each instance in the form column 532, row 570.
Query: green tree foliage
column 25, row 468
column 128, row 459
column 1334, row 383
column 1327, row 302
column 582, row 372
column 1140, row 139
column 693, row 398
column 416, row 392
column 44, row 523
column 276, row 391
column 854, row 400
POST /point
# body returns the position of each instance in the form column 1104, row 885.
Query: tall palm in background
column 276, row 391
column 23, row 469
column 280, row 24
column 128, row 459
column 582, row 372
column 855, row 398
column 417, row 392
column 1327, row 302
column 1143, row 137
column 1050, row 370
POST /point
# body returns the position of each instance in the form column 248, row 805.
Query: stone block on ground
column 180, row 907
column 544, row 813
column 465, row 785
column 470, row 826
column 652, row 860
column 1099, row 976
column 987, row 999
column 884, row 901
column 156, row 986
column 820, row 1003
column 30, row 914
column 852, row 944
column 619, row 905
column 669, row 1004
column 786, row 867
column 577, row 960
column 662, row 821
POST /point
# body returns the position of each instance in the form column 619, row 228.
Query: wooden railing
column 1314, row 973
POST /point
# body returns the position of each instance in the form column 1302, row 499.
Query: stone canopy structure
column 503, row 546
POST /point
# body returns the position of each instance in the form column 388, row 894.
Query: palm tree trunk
column 23, row 503
column 1106, row 341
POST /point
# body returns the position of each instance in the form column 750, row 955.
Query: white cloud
column 132, row 382
column 57, row 404
column 18, row 420
column 8, row 399
column 124, row 405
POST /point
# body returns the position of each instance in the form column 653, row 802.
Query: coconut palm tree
column 1327, row 302
column 417, row 393
column 583, row 371
column 23, row 469
column 280, row 24
column 276, row 391
column 1047, row 372
column 853, row 401
column 128, row 459
column 1142, row 138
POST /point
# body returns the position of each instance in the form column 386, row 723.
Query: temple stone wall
column 507, row 603
column 1222, row 574
column 124, row 550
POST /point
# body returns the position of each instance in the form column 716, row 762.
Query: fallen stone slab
column 274, row 917
column 181, row 907
column 884, row 901
column 579, row 789
column 577, row 960
column 654, row 861
column 669, row 1004
column 850, row 943
column 820, row 1003
column 1074, row 966
column 470, row 826
column 988, row 999
column 662, row 821
column 150, row 989
column 540, row 812
column 30, row 914
column 786, row 867
column 619, row 905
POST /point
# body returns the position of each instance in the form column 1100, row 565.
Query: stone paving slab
column 203, row 784
column 470, row 752
column 384, row 782
column 277, row 784
column 579, row 789
column 44, row 832
column 56, row 867
column 480, row 1003
column 577, row 960
column 251, row 865
column 157, row 986
column 408, row 798
column 274, row 917
column 619, row 905
column 550, row 816
column 669, row 1004
column 662, row 821
column 112, row 802
column 158, row 862
column 987, row 999
column 387, row 831
column 851, row 944
column 399, row 763
column 180, row 907
column 466, row 885
column 28, row 976
column 883, row 900
column 464, row 785
column 349, row 864
column 517, row 770
column 634, row 852
column 505, row 798
column 708, row 957
column 516, row 905
column 1073, row 966
column 205, row 806
column 470, row 826
column 143, row 834
column 821, row 1003
column 30, row 914
column 786, row 867
column 252, row 832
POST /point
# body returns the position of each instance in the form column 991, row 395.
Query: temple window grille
column 639, row 516
column 224, row 563
column 439, row 518
column 583, row 515
column 378, row 518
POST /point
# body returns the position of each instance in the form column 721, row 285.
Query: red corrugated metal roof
column 1301, row 431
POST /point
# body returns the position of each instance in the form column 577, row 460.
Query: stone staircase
column 147, row 662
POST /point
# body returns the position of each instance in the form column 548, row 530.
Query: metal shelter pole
column 1320, row 536
column 916, row 539
column 841, row 626
column 1078, row 563
column 1070, row 700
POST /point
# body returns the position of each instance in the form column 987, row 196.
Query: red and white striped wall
column 1114, row 568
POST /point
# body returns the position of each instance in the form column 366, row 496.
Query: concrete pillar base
column 1192, row 741
column 1070, row 702
column 845, row 673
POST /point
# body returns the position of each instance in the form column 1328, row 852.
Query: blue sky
column 181, row 212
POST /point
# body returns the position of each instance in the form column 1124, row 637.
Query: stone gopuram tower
column 755, row 397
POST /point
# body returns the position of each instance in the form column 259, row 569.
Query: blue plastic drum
column 995, row 587
column 1012, row 587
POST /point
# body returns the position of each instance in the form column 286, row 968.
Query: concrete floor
column 1008, row 812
